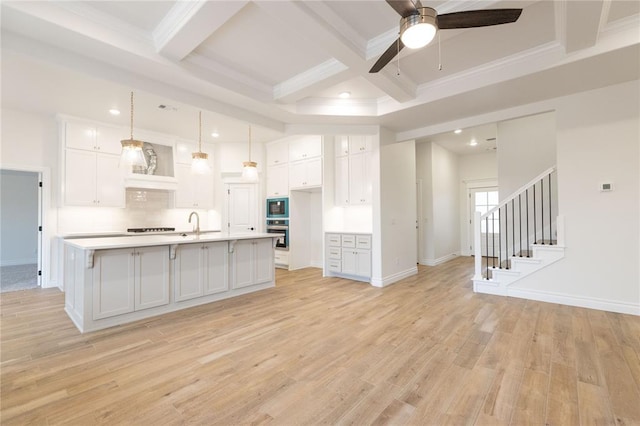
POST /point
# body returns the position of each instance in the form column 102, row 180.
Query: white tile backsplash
column 144, row 208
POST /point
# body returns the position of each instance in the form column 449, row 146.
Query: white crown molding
column 101, row 20
column 179, row 15
column 309, row 77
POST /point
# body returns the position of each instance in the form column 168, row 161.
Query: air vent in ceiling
column 167, row 107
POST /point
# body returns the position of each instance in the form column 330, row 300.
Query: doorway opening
column 483, row 200
column 21, row 223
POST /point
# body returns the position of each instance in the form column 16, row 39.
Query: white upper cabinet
column 90, row 137
column 353, row 144
column 278, row 181
column 305, row 147
column 342, row 146
column 278, row 153
column 194, row 190
column 184, row 149
column 93, row 179
column 304, row 174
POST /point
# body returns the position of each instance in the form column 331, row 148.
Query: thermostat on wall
column 606, row 187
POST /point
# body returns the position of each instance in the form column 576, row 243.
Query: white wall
column 18, row 217
column 397, row 212
column 526, row 148
column 438, row 169
column 598, row 140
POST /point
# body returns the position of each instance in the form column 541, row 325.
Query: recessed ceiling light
column 457, row 131
column 114, row 111
column 215, row 134
column 473, row 142
column 345, row 95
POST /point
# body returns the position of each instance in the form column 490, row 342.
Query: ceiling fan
column 419, row 25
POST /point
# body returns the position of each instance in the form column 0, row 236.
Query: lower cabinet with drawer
column 348, row 256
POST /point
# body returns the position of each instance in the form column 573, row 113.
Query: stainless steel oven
column 279, row 226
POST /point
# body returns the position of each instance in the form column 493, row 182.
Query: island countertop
column 105, row 243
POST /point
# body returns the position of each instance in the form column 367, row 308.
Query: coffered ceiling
column 280, row 63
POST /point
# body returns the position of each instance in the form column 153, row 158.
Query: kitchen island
column 116, row 280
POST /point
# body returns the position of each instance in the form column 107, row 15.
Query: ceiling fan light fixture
column 419, row 29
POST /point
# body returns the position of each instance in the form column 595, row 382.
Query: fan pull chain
column 398, row 53
column 439, row 54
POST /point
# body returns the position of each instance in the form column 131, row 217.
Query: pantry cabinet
column 353, row 180
column 128, row 280
column 200, row 269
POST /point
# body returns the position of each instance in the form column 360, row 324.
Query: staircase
column 520, row 236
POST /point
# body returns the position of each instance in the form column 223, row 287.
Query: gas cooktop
column 159, row 229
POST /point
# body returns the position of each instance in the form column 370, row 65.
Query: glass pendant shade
column 417, row 31
column 132, row 154
column 200, row 163
column 199, row 160
column 250, row 171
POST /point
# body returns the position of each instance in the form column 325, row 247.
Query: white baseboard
column 16, row 262
column 571, row 300
column 438, row 261
column 390, row 279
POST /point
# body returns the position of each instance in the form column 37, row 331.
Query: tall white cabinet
column 353, row 180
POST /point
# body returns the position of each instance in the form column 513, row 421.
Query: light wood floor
column 426, row 350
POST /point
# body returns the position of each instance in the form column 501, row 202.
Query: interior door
column 242, row 208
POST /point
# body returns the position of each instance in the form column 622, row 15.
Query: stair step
column 547, row 242
column 525, row 253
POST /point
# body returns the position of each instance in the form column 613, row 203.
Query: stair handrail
column 520, row 191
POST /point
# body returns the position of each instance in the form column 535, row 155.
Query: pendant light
column 132, row 154
column 200, row 163
column 249, row 168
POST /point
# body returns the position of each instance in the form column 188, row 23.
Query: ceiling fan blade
column 387, row 56
column 477, row 18
column 405, row 7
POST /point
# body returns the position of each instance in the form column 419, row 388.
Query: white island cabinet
column 117, row 280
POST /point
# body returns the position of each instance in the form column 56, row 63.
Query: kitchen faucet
column 197, row 230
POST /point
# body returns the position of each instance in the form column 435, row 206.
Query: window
column 484, row 201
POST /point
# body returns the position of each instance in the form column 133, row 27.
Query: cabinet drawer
column 335, row 253
column 333, row 240
column 363, row 242
column 281, row 258
column 349, row 241
column 334, row 265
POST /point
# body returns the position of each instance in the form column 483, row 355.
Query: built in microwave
column 277, row 208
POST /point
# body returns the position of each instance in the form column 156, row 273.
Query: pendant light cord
column 131, row 116
column 200, row 131
column 249, row 142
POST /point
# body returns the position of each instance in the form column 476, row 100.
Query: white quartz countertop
column 105, row 243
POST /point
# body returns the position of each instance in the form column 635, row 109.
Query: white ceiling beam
column 316, row 21
column 578, row 23
column 189, row 23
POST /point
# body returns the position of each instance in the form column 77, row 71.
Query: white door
column 242, row 208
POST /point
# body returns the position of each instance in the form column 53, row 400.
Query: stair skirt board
column 489, row 287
